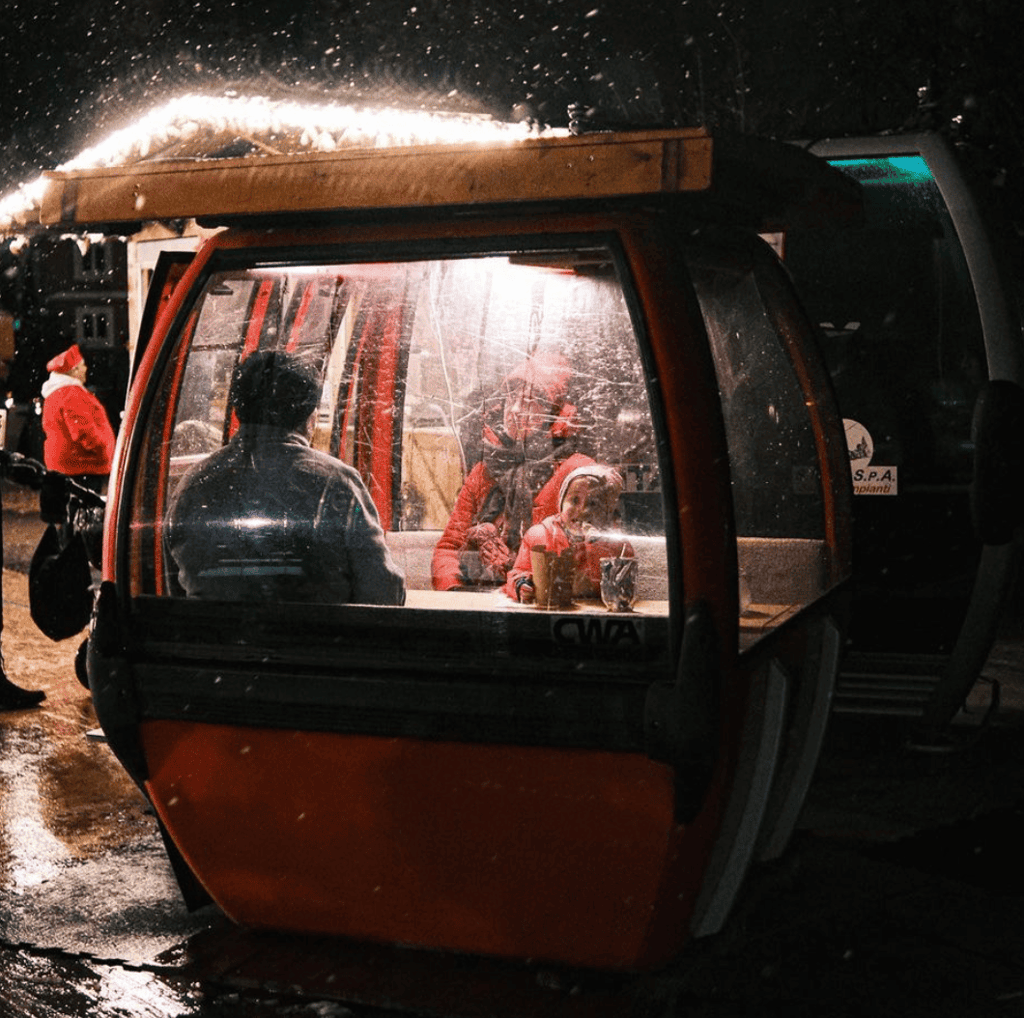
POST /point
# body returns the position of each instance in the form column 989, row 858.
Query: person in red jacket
column 516, row 483
column 584, row 523
column 79, row 440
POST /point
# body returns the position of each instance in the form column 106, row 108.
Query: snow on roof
column 603, row 165
column 215, row 127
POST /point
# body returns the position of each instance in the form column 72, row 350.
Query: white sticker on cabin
column 868, row 478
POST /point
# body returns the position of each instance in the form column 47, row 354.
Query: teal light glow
column 886, row 170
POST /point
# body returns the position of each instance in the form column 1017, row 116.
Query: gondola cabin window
column 481, row 428
column 785, row 546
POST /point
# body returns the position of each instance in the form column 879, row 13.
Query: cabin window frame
column 310, row 255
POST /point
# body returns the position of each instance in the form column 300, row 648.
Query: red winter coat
column 446, row 571
column 79, row 438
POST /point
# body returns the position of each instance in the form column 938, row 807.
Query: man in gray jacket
column 269, row 518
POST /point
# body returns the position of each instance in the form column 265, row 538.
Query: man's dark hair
column 274, row 387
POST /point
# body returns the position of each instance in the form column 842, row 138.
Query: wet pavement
column 902, row 892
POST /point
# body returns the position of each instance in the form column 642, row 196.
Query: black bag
column 60, row 585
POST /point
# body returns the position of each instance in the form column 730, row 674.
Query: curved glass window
column 481, row 431
column 784, row 544
column 902, row 332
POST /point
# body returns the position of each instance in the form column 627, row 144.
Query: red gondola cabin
column 463, row 770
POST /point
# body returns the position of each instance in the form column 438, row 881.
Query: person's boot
column 13, row 697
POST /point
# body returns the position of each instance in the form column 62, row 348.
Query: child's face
column 588, row 501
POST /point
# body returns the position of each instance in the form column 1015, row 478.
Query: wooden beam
column 537, row 169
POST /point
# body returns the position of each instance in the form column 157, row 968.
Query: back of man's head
column 274, row 387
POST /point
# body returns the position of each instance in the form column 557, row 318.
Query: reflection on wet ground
column 53, row 986
column 44, row 985
column 900, row 895
column 62, row 798
column 33, row 854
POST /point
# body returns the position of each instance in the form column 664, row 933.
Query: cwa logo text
column 602, row 631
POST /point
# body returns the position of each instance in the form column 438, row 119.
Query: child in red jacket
column 587, row 501
column 79, row 438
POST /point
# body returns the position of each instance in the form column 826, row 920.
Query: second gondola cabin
column 581, row 780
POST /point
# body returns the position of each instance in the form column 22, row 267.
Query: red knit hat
column 546, row 372
column 65, row 361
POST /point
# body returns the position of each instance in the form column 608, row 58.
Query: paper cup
column 553, row 576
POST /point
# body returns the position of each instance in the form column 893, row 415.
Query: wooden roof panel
column 761, row 184
column 589, row 166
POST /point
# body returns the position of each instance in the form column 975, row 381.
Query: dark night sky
column 72, row 72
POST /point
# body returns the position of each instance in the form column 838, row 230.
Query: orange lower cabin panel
column 524, row 852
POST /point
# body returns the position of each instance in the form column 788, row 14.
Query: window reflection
column 434, row 377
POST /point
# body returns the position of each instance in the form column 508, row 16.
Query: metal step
column 892, row 686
